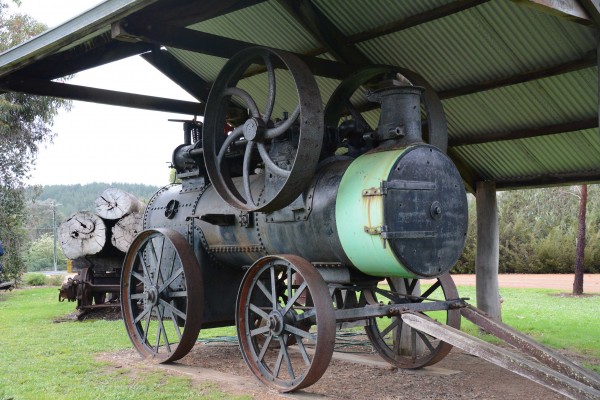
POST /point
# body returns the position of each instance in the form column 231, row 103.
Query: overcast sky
column 97, row 143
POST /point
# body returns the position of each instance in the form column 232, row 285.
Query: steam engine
column 291, row 221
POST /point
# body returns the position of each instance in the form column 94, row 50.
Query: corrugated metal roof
column 494, row 40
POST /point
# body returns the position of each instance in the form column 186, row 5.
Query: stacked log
column 118, row 219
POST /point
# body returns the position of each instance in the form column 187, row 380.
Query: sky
column 98, row 143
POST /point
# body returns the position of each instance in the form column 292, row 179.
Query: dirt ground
column 353, row 376
column 365, row 375
column 591, row 282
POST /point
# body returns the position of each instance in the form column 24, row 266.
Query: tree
column 25, row 124
column 40, row 255
column 580, row 247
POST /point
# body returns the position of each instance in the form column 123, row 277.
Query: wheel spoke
column 260, row 330
column 246, row 173
column 265, row 347
column 237, row 133
column 170, row 280
column 142, row 314
column 147, row 328
column 291, row 301
column 173, row 309
column 277, row 367
column 284, row 173
column 397, row 322
column 286, row 356
column 182, row 293
column 259, row 311
column 274, row 132
column 273, row 288
column 301, row 333
column 429, row 291
column 425, row 340
column 272, row 88
column 136, row 296
column 242, row 94
column 175, row 325
column 141, row 278
column 163, row 330
column 302, row 349
column 265, row 291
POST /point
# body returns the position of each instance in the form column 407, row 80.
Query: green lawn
column 40, row 359
column 555, row 320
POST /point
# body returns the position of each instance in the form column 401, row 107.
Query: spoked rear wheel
column 388, row 335
column 285, row 322
column 161, row 292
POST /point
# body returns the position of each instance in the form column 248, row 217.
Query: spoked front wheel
column 285, row 322
column 403, row 346
column 161, row 292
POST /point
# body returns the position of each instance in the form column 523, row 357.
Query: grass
column 41, row 359
column 553, row 319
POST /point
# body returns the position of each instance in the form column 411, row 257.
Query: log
column 84, row 233
column 115, row 203
column 126, row 229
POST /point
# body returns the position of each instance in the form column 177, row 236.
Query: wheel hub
column 151, row 296
column 275, row 323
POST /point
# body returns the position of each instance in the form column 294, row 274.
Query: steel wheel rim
column 435, row 350
column 266, row 346
column 161, row 293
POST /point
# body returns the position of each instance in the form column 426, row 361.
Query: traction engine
column 293, row 220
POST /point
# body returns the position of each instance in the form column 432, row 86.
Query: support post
column 487, row 256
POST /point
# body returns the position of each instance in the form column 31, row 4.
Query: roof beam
column 574, row 126
column 178, row 73
column 570, row 10
column 110, row 97
column 587, row 61
column 214, row 45
column 315, row 22
column 415, row 20
column 593, row 9
column 81, row 58
column 568, row 178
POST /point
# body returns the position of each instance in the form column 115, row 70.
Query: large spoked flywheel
column 278, row 144
column 285, row 322
column 404, row 346
column 162, row 295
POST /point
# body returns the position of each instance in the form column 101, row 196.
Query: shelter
column 518, row 80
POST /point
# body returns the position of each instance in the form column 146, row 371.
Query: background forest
column 538, row 231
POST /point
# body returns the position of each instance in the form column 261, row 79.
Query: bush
column 35, row 279
column 55, row 280
column 538, row 230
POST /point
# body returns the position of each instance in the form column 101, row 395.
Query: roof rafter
column 569, row 178
column 178, row 73
column 214, row 45
column 315, row 22
column 102, row 96
column 554, row 129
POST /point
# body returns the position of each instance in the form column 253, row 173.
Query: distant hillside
column 81, row 197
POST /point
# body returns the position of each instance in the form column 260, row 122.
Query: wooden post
column 487, row 257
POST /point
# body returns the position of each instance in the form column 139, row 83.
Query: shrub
column 55, row 280
column 35, row 279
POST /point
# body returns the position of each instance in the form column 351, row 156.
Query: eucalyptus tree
column 25, row 124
